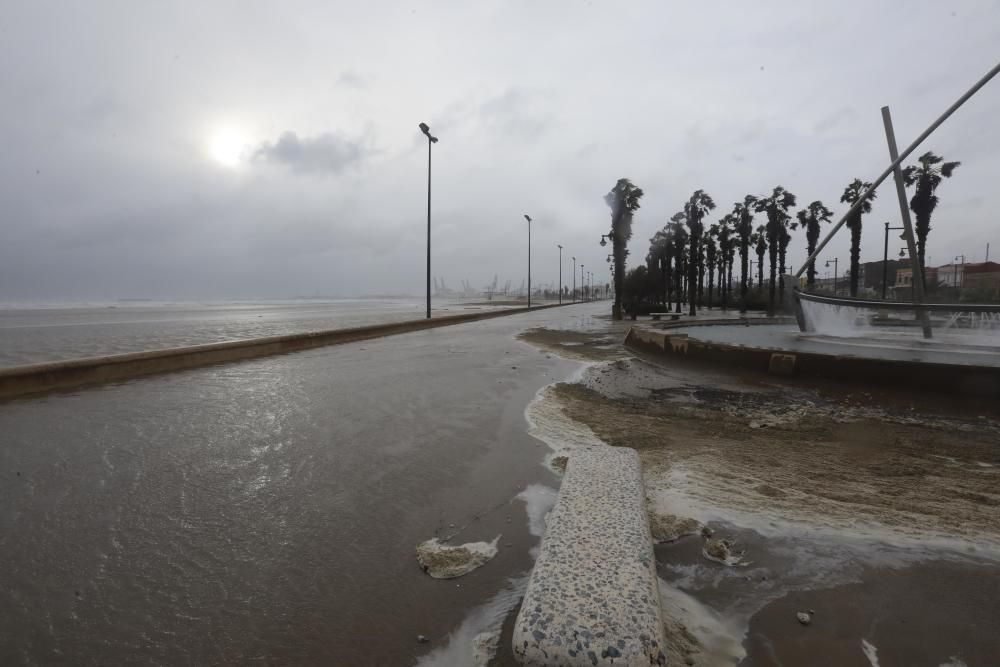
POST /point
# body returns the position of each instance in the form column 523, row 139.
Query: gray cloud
column 324, row 153
column 110, row 180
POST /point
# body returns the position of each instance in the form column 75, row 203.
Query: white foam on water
column 475, row 641
column 954, row 662
column 843, row 321
column 538, row 500
column 547, row 422
column 870, row 652
column 685, row 493
column 719, row 639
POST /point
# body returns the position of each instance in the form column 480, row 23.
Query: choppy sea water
column 38, row 333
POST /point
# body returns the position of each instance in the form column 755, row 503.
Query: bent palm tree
column 927, row 177
column 696, row 208
column 852, row 193
column 775, row 207
column 743, row 213
column 624, row 202
column 810, row 218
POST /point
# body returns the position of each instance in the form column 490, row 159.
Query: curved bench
column 592, row 598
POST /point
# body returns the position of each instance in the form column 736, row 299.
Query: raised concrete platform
column 843, row 362
column 592, row 598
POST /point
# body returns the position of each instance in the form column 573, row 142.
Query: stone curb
column 592, row 598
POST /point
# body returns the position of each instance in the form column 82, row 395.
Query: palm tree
column 852, row 193
column 759, row 242
column 743, row 213
column 926, row 177
column 775, row 207
column 810, row 218
column 711, row 249
column 659, row 256
column 679, row 235
column 624, row 202
column 726, row 243
column 785, row 238
column 696, row 208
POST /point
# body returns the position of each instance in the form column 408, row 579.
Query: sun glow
column 228, row 146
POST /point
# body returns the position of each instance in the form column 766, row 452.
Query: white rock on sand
column 446, row 562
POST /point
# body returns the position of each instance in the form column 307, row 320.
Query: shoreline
column 17, row 381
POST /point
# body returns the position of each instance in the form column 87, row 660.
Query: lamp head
column 604, row 242
column 527, row 217
column 427, row 130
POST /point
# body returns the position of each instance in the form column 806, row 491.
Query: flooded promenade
column 270, row 509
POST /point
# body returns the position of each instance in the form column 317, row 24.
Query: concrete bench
column 673, row 316
column 592, row 598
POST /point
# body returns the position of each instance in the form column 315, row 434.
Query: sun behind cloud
column 228, row 145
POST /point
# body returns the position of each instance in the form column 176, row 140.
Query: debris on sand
column 559, row 463
column 444, row 562
column 721, row 551
column 670, row 527
column 805, row 618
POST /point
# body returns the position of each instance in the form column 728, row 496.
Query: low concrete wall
column 948, row 378
column 22, row 380
column 592, row 598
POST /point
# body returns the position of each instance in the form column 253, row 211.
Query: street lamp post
column 834, row 274
column 430, row 140
column 583, row 290
column 885, row 258
column 955, row 272
column 574, row 280
column 560, row 275
column 528, row 218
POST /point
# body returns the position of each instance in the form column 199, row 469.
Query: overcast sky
column 252, row 149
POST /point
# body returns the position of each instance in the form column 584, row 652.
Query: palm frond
column 948, row 167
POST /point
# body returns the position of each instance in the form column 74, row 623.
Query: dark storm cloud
column 324, row 153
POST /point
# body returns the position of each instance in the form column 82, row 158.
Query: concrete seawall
column 592, row 598
column 34, row 378
column 936, row 377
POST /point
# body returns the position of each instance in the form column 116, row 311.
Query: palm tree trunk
column 811, row 239
column 678, row 263
column 855, row 255
column 923, row 227
column 729, row 275
column 772, row 254
column 701, row 278
column 744, row 252
column 692, row 273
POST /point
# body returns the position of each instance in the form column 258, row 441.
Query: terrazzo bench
column 592, row 598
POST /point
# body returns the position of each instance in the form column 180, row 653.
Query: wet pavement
column 268, row 510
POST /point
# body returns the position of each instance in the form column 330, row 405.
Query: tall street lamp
column 560, row 275
column 834, row 274
column 431, row 139
column 583, row 291
column 574, row 280
column 528, row 218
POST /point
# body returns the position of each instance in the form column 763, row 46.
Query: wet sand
column 880, row 511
